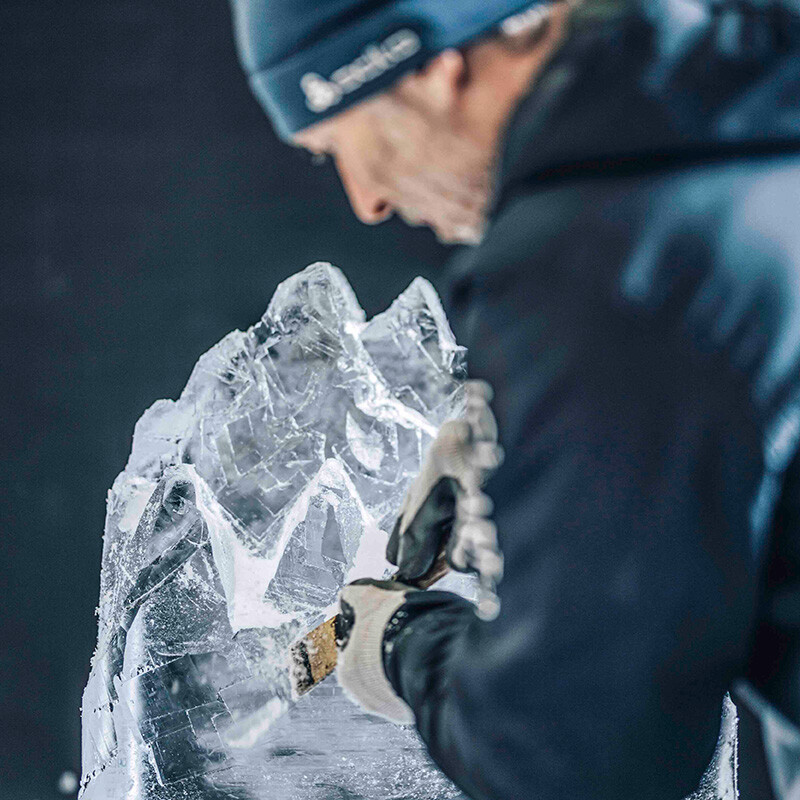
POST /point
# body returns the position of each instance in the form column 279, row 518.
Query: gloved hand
column 367, row 606
column 444, row 512
column 447, row 493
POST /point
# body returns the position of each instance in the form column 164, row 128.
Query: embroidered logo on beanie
column 377, row 58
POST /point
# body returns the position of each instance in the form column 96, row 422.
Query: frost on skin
column 244, row 507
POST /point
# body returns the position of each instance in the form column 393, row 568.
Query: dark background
column 147, row 210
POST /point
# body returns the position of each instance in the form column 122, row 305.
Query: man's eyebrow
column 319, row 152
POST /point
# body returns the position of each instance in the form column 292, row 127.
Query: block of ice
column 244, row 507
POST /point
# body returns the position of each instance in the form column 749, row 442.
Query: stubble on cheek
column 429, row 174
column 441, row 183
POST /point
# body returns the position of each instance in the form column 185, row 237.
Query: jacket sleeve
column 623, row 507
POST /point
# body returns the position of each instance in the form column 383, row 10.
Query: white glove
column 366, row 608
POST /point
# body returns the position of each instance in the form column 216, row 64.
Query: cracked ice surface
column 244, row 507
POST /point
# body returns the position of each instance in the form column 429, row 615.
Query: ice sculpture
column 720, row 781
column 244, row 507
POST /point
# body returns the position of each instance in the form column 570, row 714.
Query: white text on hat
column 376, row 59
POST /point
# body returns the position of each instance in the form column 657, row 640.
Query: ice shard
column 244, row 507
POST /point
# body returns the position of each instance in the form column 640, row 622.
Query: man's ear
column 440, row 82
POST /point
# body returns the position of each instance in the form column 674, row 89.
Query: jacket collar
column 642, row 90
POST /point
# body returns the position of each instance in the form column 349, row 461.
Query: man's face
column 398, row 152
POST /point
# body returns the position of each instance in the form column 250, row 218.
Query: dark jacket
column 636, row 306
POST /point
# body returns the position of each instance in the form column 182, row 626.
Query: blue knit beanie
column 310, row 59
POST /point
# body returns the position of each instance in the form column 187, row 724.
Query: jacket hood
column 658, row 83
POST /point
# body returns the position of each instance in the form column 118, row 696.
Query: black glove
column 445, row 498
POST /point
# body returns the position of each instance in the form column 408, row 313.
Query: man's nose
column 366, row 199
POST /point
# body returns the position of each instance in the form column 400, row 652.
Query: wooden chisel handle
column 313, row 657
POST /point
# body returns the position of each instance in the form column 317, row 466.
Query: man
column 630, row 174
